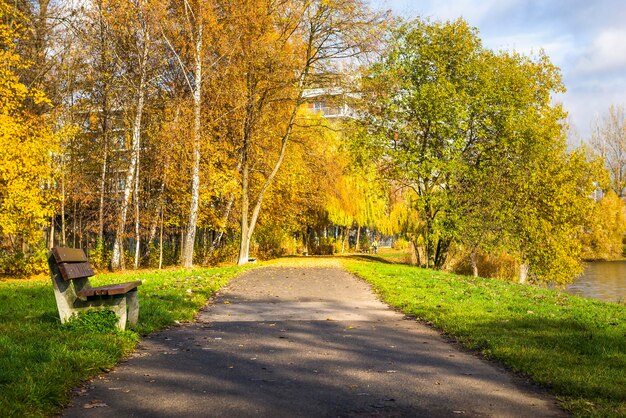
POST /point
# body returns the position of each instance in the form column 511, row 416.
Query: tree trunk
column 161, row 242
column 74, row 226
column 137, row 235
column 358, row 239
column 244, row 243
column 106, row 126
column 103, row 178
column 523, row 273
column 62, row 209
column 51, row 236
column 190, row 238
column 474, row 263
column 117, row 259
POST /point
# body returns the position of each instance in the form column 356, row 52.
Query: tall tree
column 26, row 144
column 191, row 24
column 134, row 45
column 475, row 135
column 282, row 49
column 608, row 140
column 422, row 108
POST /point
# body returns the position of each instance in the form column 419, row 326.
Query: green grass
column 391, row 255
column 42, row 360
column 573, row 346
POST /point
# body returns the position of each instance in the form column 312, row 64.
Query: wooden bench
column 70, row 271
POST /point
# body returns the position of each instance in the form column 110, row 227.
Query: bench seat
column 109, row 290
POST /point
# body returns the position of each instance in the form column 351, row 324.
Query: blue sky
column 586, row 39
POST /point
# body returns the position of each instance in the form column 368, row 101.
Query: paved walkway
column 309, row 342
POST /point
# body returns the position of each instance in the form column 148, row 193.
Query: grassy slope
column 42, row 360
column 574, row 346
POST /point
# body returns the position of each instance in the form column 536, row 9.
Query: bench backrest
column 72, row 263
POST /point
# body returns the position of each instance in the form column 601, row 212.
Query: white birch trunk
column 117, row 260
column 190, row 237
column 137, row 235
column 62, row 209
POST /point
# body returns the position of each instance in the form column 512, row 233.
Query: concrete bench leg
column 133, row 307
column 120, row 310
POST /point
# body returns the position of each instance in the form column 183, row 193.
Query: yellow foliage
column 26, row 143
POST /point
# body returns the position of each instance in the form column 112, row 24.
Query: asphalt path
column 305, row 342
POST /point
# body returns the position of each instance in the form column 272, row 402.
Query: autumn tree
column 187, row 31
column 421, row 104
column 137, row 54
column 26, row 143
column 279, row 50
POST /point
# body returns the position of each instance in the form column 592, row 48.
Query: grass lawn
column 386, row 255
column 42, row 360
column 576, row 347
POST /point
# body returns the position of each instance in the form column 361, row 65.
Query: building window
column 319, row 106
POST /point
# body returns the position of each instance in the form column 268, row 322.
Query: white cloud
column 586, row 39
column 607, row 52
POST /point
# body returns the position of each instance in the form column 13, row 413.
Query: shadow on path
column 305, row 343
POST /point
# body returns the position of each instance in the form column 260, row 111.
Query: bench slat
column 69, row 255
column 112, row 289
column 71, row 271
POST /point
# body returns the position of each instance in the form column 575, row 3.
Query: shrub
column 23, row 264
column 100, row 255
column 400, row 244
column 271, row 241
column 93, row 321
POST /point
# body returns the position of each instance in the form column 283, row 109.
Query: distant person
column 375, row 246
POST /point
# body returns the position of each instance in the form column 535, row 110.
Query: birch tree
column 135, row 44
column 608, row 140
column 192, row 24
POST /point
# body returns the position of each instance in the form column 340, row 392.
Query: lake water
column 604, row 280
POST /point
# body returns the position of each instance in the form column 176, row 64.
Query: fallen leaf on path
column 94, row 404
column 81, row 392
